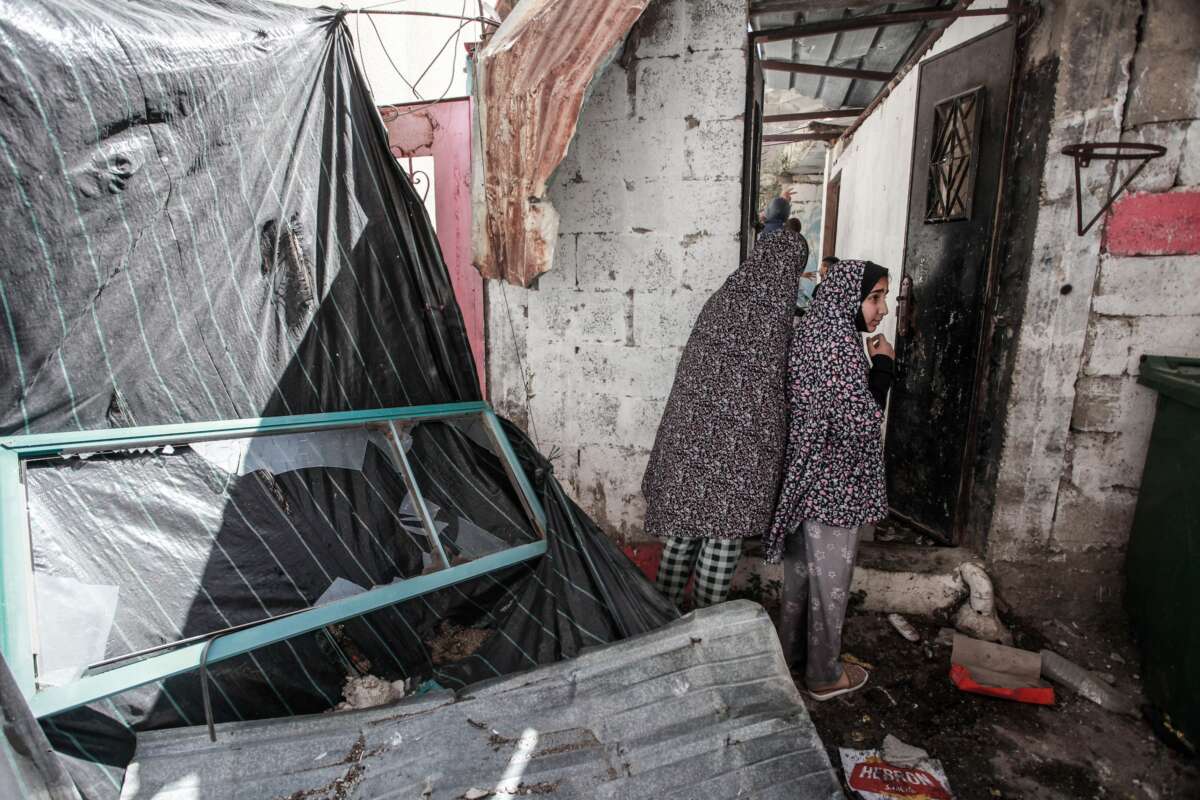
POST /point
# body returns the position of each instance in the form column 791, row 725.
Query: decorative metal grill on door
column 419, row 177
column 952, row 162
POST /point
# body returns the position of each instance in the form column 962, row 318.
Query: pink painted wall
column 443, row 130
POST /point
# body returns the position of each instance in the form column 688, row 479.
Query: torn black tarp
column 203, row 221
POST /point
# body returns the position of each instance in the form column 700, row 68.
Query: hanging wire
column 521, row 365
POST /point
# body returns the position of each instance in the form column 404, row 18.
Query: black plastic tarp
column 202, row 220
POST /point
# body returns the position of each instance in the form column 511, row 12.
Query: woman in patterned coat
column 834, row 480
column 718, row 456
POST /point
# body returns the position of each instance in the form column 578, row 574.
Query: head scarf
column 777, row 215
column 718, row 456
column 872, row 272
column 834, row 470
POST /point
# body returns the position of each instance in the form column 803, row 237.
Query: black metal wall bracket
column 1085, row 153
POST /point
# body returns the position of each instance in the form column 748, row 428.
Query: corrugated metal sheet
column 533, row 75
column 704, row 707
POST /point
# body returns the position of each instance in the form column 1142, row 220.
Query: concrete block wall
column 1078, row 423
column 649, row 200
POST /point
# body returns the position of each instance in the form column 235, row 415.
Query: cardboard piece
column 998, row 671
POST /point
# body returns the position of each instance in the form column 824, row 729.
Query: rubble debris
column 368, row 691
column 904, row 627
column 1085, row 683
column 902, row 754
column 475, row 794
column 998, row 671
column 454, row 643
column 872, row 776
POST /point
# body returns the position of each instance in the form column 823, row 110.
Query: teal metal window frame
column 16, row 556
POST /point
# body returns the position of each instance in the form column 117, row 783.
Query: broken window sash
column 474, row 541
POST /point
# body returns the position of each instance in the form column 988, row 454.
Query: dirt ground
column 994, row 748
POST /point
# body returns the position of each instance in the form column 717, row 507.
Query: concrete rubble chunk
column 1086, row 683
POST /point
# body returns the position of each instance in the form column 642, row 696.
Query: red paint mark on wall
column 443, row 130
column 646, row 555
column 1163, row 224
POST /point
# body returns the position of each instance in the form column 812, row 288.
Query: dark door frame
column 987, row 321
column 751, row 146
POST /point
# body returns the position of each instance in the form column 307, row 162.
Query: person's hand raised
column 878, row 345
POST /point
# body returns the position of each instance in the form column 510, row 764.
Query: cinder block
column 1148, row 286
column 1104, row 460
column 709, row 256
column 619, row 262
column 1189, row 159
column 1113, row 404
column 1106, row 351
column 665, row 319
column 607, row 96
column 669, row 88
column 633, row 149
column 1163, row 80
column 609, row 484
column 586, row 206
column 573, row 316
column 1159, row 174
column 713, row 149
column 669, row 27
column 646, row 372
column 594, row 418
column 1086, row 520
column 561, row 274
column 1162, row 336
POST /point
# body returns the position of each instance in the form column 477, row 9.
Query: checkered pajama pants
column 714, row 561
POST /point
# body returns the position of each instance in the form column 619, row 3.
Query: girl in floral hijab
column 834, row 479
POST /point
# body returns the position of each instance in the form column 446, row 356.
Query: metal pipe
column 800, row 137
column 480, row 20
column 808, row 115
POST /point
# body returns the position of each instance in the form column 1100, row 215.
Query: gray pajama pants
column 818, row 563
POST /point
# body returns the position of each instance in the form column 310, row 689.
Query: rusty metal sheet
column 533, row 76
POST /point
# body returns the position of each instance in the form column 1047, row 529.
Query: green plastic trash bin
column 1163, row 563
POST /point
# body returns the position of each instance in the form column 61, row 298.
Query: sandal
column 854, row 683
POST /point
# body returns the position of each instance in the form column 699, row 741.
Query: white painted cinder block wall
column 649, row 200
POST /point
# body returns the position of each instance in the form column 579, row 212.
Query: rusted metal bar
column 822, row 69
column 799, row 137
column 832, row 113
column 875, row 21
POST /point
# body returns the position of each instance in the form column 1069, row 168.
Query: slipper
column 855, row 684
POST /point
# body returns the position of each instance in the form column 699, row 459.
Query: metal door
column 958, row 151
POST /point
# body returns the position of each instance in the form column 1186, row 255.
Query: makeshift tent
column 203, row 221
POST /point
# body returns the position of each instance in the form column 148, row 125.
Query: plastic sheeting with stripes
column 203, row 221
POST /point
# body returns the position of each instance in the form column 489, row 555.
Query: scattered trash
column 946, row 636
column 902, row 754
column 454, row 643
column 904, row 627
column 1085, row 683
column 849, row 658
column 998, row 671
column 369, row 691
column 873, row 777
